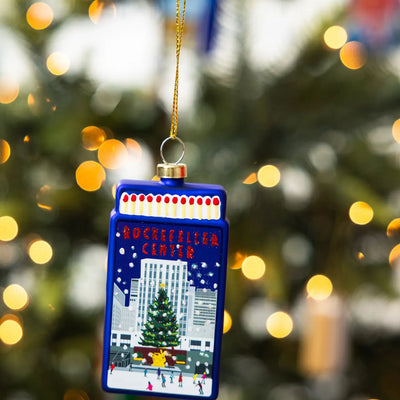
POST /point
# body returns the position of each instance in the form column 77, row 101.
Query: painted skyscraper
column 195, row 308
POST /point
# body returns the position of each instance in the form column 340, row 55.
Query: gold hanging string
column 180, row 22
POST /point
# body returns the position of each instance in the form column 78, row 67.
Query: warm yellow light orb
column 134, row 149
column 393, row 229
column 279, row 324
column 8, row 228
column 96, row 9
column 252, row 178
column 394, row 255
column 10, row 331
column 40, row 252
column 9, row 90
column 75, row 394
column 5, row 151
column 93, row 137
column 112, row 154
column 361, row 213
column 58, row 63
column 15, row 297
column 268, row 176
column 90, row 175
column 319, row 287
column 396, row 130
column 227, row 322
column 39, row 15
column 253, row 267
column 353, row 55
column 335, row 37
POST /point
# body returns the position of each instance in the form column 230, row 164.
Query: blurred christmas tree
column 300, row 124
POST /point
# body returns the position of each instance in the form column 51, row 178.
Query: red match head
column 216, row 201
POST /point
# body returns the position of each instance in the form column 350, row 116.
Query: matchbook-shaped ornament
column 165, row 287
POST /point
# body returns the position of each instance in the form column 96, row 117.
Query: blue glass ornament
column 165, row 287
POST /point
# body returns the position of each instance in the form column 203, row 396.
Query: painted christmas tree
column 161, row 328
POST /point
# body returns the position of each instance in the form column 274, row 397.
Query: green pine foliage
column 161, row 328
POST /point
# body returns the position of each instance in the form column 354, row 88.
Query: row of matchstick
column 170, row 206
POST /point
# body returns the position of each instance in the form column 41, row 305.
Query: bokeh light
column 58, row 63
column 394, row 256
column 335, row 37
column 11, row 331
column 239, row 258
column 39, row 15
column 319, row 287
column 75, row 394
column 252, row 178
column 31, row 100
column 5, row 151
column 40, row 251
column 227, row 322
column 393, row 229
column 268, row 176
column 134, row 150
column 90, row 175
column 396, row 130
column 112, row 154
column 8, row 228
column 353, row 55
column 93, row 137
column 43, row 198
column 9, row 90
column 15, row 297
column 279, row 324
column 253, row 267
column 96, row 9
column 361, row 213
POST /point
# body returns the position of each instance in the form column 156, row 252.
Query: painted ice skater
column 145, row 372
column 158, row 373
column 180, row 380
column 200, row 387
column 171, row 377
column 194, row 378
column 163, row 380
column 203, row 378
column 149, row 386
column 112, row 366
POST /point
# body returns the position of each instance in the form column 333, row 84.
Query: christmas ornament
column 166, row 281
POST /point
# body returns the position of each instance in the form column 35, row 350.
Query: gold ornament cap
column 172, row 171
column 176, row 170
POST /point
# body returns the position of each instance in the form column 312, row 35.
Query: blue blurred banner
column 201, row 14
column 375, row 23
